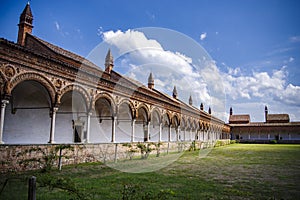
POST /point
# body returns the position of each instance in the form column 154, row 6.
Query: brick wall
column 12, row 156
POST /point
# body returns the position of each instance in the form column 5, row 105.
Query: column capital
column 4, row 102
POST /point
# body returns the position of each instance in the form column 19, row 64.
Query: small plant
column 145, row 149
column 193, row 146
column 130, row 150
column 273, row 141
column 234, row 141
column 132, row 192
column 157, row 147
column 62, row 183
column 48, row 156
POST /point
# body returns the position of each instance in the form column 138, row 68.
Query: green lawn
column 238, row 171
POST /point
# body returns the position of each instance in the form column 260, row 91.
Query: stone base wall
column 13, row 157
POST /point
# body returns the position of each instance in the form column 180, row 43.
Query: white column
column 178, row 133
column 113, row 129
column 169, row 133
column 148, row 132
column 88, row 127
column 289, row 136
column 3, row 106
column 190, row 134
column 159, row 134
column 132, row 130
column 52, row 128
column 184, row 134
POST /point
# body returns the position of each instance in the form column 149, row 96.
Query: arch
column 142, row 114
column 71, row 116
column 175, row 121
column 130, row 104
column 167, row 116
column 156, row 110
column 34, row 77
column 27, row 115
column 189, row 123
column 77, row 88
column 146, row 110
column 157, row 114
column 176, row 115
column 183, row 123
column 2, row 83
column 108, row 97
column 202, row 126
column 166, row 121
column 120, row 112
column 124, row 121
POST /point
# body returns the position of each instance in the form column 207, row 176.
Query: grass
column 237, row 171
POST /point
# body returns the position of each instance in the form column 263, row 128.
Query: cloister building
column 50, row 95
column 275, row 127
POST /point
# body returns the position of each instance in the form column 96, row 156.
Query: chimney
column 266, row 113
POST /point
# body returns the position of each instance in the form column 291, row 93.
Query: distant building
column 276, row 127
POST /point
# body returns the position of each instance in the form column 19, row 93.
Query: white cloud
column 264, row 86
column 141, row 55
column 57, row 25
column 169, row 68
column 295, row 38
column 203, row 36
column 150, row 15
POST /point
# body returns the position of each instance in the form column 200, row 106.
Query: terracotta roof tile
column 65, row 53
column 239, row 119
column 275, row 118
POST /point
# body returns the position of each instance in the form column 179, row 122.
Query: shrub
column 48, row 156
column 273, row 141
column 130, row 150
column 193, row 146
column 145, row 149
column 62, row 183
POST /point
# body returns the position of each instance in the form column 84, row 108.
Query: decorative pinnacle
column 109, row 61
column 201, row 106
column 150, row 81
column 191, row 100
column 150, row 78
column 175, row 94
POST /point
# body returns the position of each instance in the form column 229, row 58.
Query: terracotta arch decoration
column 146, row 110
column 155, row 109
column 108, row 97
column 32, row 76
column 2, row 82
column 130, row 104
column 175, row 115
column 77, row 88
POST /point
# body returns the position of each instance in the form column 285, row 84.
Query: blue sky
column 255, row 43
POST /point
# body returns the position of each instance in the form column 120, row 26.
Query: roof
column 239, row 119
column 263, row 124
column 63, row 52
column 27, row 11
column 277, row 118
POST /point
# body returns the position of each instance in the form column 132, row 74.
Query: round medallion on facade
column 9, row 71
